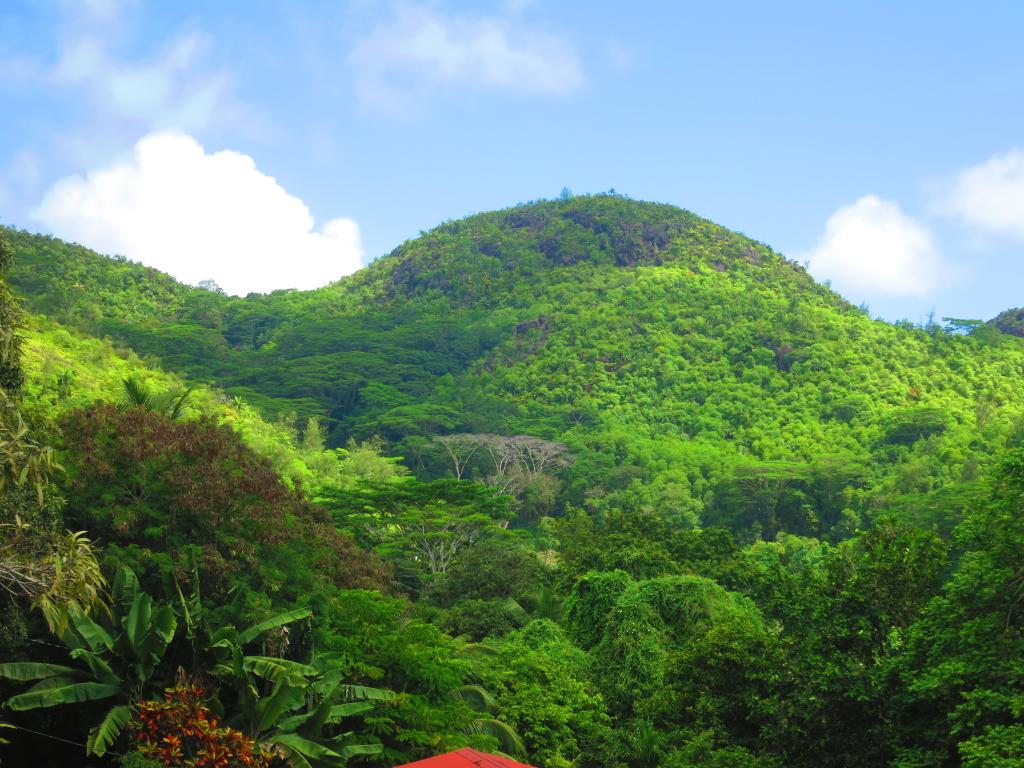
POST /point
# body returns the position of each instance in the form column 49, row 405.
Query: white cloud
column 201, row 216
column 173, row 86
column 168, row 90
column 420, row 49
column 871, row 248
column 989, row 196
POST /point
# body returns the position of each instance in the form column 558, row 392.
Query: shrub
column 181, row 730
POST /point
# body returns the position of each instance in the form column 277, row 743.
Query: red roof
column 466, row 758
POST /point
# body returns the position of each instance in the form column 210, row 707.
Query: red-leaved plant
column 180, row 730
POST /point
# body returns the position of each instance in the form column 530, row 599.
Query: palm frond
column 508, row 739
column 476, row 697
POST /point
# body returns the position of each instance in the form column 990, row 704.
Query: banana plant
column 294, row 709
column 303, row 710
column 116, row 659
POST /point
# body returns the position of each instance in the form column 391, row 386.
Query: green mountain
column 595, row 483
column 679, row 361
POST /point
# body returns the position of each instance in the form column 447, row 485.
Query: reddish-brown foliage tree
column 162, row 489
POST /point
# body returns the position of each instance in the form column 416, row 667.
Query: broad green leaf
column 271, row 709
column 274, row 669
column 164, row 623
column 30, row 670
column 92, row 634
column 339, row 711
column 137, row 623
column 125, row 587
column 71, row 694
column 295, row 721
column 59, row 681
column 97, row 666
column 251, row 633
column 362, row 692
column 351, row 750
column 305, row 747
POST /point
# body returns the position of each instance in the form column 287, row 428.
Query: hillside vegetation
column 677, row 359
column 592, row 482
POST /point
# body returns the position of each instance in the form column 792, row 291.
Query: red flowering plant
column 180, row 730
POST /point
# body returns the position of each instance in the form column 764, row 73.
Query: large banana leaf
column 338, row 711
column 351, row 750
column 106, row 733
column 159, row 634
column 271, row 709
column 60, row 681
column 125, row 587
column 29, row 670
column 165, row 623
column 83, row 632
column 100, row 669
column 251, row 633
column 365, row 693
column 137, row 624
column 69, row 694
column 275, row 669
column 304, row 721
column 304, row 752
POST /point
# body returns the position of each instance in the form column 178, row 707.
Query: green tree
column 960, row 661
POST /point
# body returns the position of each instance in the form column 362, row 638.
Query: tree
column 541, row 686
column 460, row 449
column 423, row 527
column 960, row 661
column 160, row 491
column 495, row 568
column 521, row 467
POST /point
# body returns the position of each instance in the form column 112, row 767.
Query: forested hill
column 618, row 488
column 678, row 360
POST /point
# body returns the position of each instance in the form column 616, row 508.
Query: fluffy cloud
column 990, row 196
column 419, row 49
column 201, row 216
column 871, row 248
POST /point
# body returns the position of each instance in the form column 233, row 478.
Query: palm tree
column 139, row 394
column 481, row 701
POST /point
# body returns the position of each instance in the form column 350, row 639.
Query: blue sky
column 275, row 144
